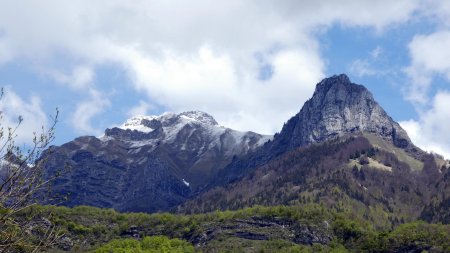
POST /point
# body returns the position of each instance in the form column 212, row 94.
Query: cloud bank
column 30, row 110
column 251, row 64
column 243, row 62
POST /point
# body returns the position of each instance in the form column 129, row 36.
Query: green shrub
column 153, row 244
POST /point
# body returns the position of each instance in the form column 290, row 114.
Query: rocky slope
column 338, row 108
column 149, row 163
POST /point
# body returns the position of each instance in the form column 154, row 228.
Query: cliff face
column 339, row 107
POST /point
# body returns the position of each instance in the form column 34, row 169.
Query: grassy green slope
column 308, row 228
column 401, row 154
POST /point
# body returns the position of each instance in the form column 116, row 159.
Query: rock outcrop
column 337, row 108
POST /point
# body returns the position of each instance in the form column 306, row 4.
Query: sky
column 250, row 64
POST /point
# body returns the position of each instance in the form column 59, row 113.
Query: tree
column 151, row 244
column 21, row 170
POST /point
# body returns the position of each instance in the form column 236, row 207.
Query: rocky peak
column 195, row 129
column 341, row 87
column 199, row 116
column 139, row 123
column 339, row 107
column 149, row 123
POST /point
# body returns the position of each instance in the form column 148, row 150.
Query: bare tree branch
column 21, row 178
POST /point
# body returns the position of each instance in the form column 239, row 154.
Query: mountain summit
column 337, row 108
column 149, row 123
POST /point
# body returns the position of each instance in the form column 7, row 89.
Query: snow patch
column 105, row 138
column 199, row 116
column 172, row 124
column 135, row 123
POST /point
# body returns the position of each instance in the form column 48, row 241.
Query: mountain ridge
column 156, row 163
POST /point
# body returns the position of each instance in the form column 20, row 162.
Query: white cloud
column 12, row 106
column 429, row 57
column 80, row 78
column 439, row 11
column 210, row 81
column 143, row 108
column 362, row 68
column 377, row 14
column 192, row 54
column 5, row 55
column 87, row 110
column 376, row 52
column 431, row 131
column 368, row 66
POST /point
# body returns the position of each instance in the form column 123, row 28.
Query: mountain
column 149, row 163
column 338, row 108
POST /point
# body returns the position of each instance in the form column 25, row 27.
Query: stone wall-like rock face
column 263, row 229
column 339, row 107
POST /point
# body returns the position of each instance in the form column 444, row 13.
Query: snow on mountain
column 185, row 182
column 135, row 123
column 199, row 116
column 170, row 125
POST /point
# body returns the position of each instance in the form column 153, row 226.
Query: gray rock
column 337, row 108
column 65, row 243
column 265, row 228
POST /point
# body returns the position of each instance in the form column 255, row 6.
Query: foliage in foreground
column 154, row 244
column 106, row 230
